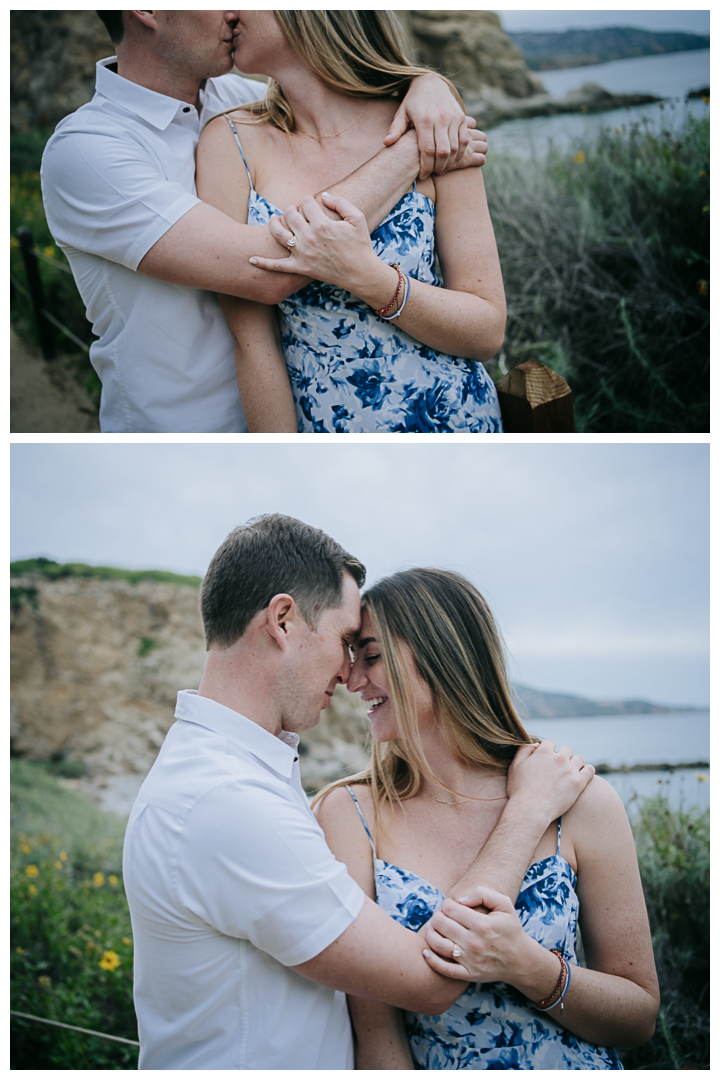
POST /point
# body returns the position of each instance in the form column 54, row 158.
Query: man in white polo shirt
column 247, row 930
column 118, row 180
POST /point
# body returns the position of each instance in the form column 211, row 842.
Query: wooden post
column 32, row 271
column 534, row 398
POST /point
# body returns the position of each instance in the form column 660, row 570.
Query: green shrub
column 674, row 854
column 62, row 298
column 71, row 940
column 605, row 257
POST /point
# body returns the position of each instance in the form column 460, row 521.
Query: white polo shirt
column 229, row 880
column 116, row 175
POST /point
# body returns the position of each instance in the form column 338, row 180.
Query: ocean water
column 663, row 739
column 671, row 76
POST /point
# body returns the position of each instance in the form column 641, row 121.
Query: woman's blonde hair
column 457, row 650
column 359, row 53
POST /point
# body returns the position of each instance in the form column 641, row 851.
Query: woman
column 375, row 343
column 429, row 665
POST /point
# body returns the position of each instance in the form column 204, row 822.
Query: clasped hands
column 344, row 254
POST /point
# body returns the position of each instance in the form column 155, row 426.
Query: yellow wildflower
column 98, row 879
column 91, row 946
column 702, row 287
column 58, row 865
column 44, row 981
column 127, row 941
column 702, row 777
column 579, row 158
column 32, row 890
column 20, row 949
column 13, row 240
column 49, row 251
column 26, row 849
column 113, row 880
column 63, row 856
column 32, row 870
column 110, row 961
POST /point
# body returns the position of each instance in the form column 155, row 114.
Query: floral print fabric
column 352, row 371
column 491, row 1025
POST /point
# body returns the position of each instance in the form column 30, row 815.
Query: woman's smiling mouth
column 374, row 703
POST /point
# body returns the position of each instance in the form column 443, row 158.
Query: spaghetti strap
column 559, row 833
column 362, row 818
column 242, row 153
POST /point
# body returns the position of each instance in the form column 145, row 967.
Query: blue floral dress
column 352, row 371
column 491, row 1025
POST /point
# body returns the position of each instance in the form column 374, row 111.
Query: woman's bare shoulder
column 597, row 816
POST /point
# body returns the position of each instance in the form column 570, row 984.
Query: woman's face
column 259, row 44
column 368, row 678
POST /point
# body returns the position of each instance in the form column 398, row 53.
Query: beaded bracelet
column 557, row 994
column 383, row 311
column 389, row 318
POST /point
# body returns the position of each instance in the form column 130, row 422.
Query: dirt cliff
column 95, row 669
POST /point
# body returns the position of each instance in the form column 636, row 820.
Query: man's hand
column 444, row 133
column 547, row 781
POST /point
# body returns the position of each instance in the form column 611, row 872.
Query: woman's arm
column 260, row 369
column 612, row 1002
column 380, row 1039
column 466, row 318
column 262, row 377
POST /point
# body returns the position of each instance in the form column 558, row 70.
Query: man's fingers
column 398, row 127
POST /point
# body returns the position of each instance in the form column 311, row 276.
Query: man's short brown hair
column 113, row 23
column 272, row 554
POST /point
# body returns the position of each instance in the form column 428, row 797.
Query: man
column 118, row 180
column 247, row 930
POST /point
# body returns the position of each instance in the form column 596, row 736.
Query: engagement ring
column 457, row 951
column 292, row 243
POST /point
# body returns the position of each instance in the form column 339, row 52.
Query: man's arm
column 377, row 958
column 206, row 249
column 542, row 785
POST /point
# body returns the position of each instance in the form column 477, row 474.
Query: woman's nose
column 357, row 679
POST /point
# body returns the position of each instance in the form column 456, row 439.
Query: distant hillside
column 577, row 48
column 540, row 705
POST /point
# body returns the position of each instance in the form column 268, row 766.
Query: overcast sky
column 594, row 558
column 695, row 21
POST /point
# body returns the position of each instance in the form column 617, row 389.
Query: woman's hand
column 338, row 251
column 493, row 945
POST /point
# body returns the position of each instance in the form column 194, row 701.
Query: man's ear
column 281, row 617
column 147, row 18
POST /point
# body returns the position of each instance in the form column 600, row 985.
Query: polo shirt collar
column 278, row 753
column 156, row 109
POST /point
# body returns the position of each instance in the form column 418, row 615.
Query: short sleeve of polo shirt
column 106, row 194
column 267, row 876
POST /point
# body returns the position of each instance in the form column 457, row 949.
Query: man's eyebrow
column 365, row 641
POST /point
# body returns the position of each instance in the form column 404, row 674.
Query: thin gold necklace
column 483, row 784
column 317, row 138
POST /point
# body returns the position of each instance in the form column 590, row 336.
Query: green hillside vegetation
column 54, row 570
column 605, row 253
column 577, row 48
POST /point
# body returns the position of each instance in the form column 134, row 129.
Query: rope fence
column 71, row 1027
column 44, row 319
